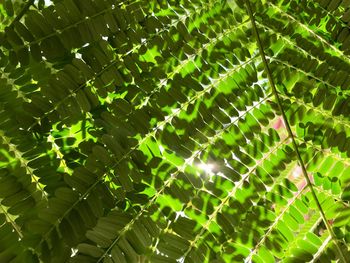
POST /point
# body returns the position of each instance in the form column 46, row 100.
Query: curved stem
column 289, row 130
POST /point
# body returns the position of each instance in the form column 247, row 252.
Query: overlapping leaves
column 146, row 131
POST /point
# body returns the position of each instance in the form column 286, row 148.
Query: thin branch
column 24, row 163
column 168, row 182
column 112, row 63
column 229, row 196
column 321, row 249
column 22, row 12
column 271, row 227
column 148, row 135
column 313, row 33
column 289, row 130
column 12, row 222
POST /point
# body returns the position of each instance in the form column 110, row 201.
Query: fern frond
column 174, row 131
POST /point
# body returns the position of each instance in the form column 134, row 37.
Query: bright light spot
column 180, row 214
column 161, row 149
column 48, row 2
column 206, row 167
column 221, row 175
column 174, row 110
column 74, row 251
column 297, row 172
column 234, row 157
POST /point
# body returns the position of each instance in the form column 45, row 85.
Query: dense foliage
column 153, row 131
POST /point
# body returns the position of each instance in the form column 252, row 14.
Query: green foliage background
column 146, row 131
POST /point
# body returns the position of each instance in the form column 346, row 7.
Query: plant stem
column 22, row 12
column 289, row 130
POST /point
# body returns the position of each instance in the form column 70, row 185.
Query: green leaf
column 166, row 131
column 89, row 250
